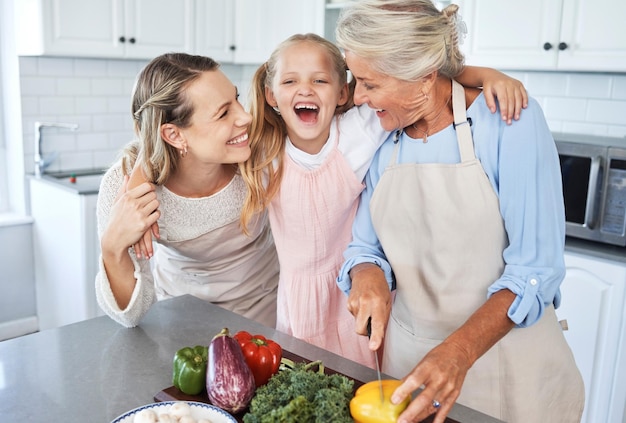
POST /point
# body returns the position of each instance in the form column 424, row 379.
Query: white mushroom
column 145, row 416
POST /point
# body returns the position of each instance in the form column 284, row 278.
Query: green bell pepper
column 189, row 373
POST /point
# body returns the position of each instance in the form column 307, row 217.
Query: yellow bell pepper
column 366, row 407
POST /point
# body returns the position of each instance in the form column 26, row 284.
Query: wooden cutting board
column 174, row 394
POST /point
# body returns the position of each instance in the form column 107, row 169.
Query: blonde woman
column 191, row 134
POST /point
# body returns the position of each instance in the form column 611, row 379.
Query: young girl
column 310, row 153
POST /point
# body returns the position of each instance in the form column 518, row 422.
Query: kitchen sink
column 83, row 181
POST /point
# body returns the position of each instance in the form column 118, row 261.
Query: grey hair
column 405, row 39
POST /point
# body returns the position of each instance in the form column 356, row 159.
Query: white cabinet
column 66, row 255
column 247, row 31
column 581, row 35
column 138, row 29
column 593, row 298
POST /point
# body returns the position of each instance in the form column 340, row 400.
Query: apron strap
column 463, row 132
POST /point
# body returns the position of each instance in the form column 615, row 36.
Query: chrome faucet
column 40, row 162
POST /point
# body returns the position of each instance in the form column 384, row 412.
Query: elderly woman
column 463, row 216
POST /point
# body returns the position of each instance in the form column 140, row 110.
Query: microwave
column 593, row 171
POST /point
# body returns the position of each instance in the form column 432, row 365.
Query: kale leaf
column 301, row 395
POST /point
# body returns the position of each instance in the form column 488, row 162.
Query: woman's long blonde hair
column 264, row 170
column 160, row 97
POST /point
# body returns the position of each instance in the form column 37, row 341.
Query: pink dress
column 311, row 220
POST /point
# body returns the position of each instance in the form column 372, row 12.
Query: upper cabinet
column 137, row 29
column 247, row 31
column 569, row 35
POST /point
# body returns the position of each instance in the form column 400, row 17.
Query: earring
column 276, row 110
column 183, row 151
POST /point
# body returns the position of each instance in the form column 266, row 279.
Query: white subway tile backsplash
column 117, row 140
column 96, row 94
column 589, row 86
column 124, row 68
column 83, row 121
column 90, row 67
column 606, row 111
column 565, row 108
column 104, row 159
column 55, row 66
column 618, row 131
column 110, row 123
column 77, row 160
column 73, row 86
column 584, row 128
column 108, row 86
column 120, row 104
column 30, row 105
column 57, row 105
column 545, row 83
column 58, row 142
column 37, row 86
column 619, row 87
column 92, row 141
column 95, row 104
column 28, row 66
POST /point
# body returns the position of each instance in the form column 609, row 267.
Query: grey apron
column 442, row 232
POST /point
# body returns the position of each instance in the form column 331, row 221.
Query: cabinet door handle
column 547, row 46
column 232, row 48
column 122, row 39
column 131, row 40
column 563, row 46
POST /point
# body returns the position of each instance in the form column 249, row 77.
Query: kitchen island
column 96, row 370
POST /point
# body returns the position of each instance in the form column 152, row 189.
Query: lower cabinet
column 593, row 298
column 66, row 255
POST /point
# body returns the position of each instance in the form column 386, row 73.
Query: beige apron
column 442, row 232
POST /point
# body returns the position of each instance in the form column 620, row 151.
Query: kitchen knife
column 380, row 382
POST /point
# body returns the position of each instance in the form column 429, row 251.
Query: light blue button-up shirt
column 522, row 165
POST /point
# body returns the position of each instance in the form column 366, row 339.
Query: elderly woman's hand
column 441, row 372
column 370, row 298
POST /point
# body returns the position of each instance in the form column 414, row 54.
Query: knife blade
column 380, row 382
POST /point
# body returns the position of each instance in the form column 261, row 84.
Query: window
column 11, row 147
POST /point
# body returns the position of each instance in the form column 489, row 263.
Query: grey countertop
column 96, row 370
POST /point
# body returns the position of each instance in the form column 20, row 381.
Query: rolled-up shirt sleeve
column 526, row 175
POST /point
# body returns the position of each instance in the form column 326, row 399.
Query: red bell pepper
column 262, row 355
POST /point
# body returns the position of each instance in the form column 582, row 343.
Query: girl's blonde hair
column 405, row 39
column 159, row 97
column 263, row 171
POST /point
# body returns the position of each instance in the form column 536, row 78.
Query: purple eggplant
column 229, row 381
